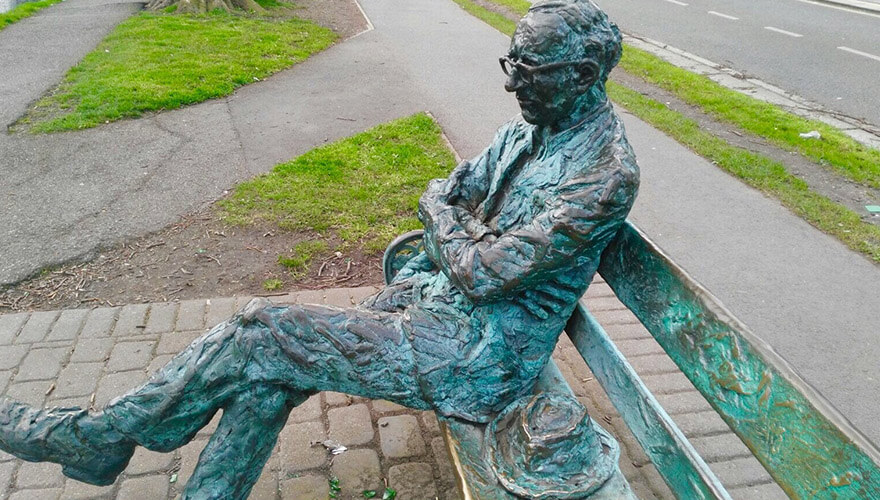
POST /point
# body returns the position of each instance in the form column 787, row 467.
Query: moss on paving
column 159, row 61
column 363, row 189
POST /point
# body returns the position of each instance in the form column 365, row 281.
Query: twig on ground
column 215, row 259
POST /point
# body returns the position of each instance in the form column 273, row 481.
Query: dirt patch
column 342, row 16
column 199, row 257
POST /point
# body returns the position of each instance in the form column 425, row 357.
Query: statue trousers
column 256, row 367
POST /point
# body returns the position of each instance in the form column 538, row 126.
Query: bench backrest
column 810, row 449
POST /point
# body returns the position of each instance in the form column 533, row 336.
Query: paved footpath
column 85, row 357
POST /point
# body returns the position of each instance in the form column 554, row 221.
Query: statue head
column 559, row 59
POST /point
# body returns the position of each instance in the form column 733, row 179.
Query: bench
column 808, row 448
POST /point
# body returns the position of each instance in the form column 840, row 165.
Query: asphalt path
column 823, row 52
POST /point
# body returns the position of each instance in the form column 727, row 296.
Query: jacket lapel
column 509, row 163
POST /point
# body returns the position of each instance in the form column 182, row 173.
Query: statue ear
column 589, row 73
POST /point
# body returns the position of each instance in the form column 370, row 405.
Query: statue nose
column 514, row 82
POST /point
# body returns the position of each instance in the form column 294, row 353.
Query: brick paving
column 727, row 456
column 87, row 357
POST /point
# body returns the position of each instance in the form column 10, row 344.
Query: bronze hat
column 547, row 447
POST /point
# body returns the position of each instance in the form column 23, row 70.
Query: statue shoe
column 86, row 446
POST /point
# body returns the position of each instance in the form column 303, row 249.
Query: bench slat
column 676, row 460
column 811, row 450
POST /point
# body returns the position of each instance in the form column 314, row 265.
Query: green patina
column 684, row 471
column 809, row 451
column 512, row 239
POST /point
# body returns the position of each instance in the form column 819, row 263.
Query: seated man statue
column 512, row 240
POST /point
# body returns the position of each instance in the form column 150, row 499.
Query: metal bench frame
column 805, row 444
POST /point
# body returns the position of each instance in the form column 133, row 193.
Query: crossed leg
column 255, row 368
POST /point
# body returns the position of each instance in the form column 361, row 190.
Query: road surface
column 823, row 52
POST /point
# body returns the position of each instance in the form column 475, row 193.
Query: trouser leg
column 283, row 353
column 182, row 397
column 232, row 461
column 297, row 349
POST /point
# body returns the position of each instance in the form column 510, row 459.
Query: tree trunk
column 203, row 6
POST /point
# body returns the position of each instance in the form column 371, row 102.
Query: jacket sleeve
column 586, row 211
column 449, row 202
column 468, row 183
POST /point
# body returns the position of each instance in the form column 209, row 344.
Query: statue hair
column 599, row 38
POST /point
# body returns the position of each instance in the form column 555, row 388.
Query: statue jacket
column 512, row 238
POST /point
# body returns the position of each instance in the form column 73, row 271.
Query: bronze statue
column 512, row 238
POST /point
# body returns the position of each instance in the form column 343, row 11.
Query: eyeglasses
column 527, row 72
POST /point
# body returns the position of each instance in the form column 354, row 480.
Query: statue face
column 546, row 83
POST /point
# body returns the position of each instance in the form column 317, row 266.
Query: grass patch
column 272, row 284
column 518, row 6
column 835, row 150
column 302, row 255
column 24, row 10
column 271, row 4
column 156, row 61
column 758, row 171
column 493, row 19
column 364, row 189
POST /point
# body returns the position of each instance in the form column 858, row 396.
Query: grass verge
column 758, row 171
column 493, row 19
column 156, row 61
column 363, row 189
column 836, row 150
column 24, row 10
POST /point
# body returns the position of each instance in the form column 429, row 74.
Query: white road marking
column 676, row 2
column 859, row 52
column 789, row 33
column 840, row 7
column 725, row 16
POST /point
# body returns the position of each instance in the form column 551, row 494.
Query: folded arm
column 487, row 267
